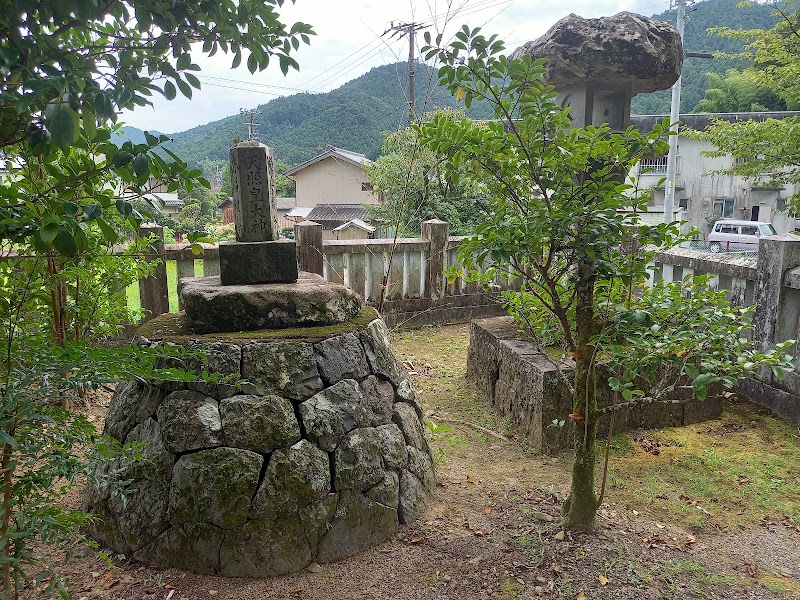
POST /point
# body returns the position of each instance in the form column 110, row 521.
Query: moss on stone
column 173, row 327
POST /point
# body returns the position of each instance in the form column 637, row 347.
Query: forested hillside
column 354, row 115
column 699, row 18
column 300, row 126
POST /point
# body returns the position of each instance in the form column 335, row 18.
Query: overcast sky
column 349, row 42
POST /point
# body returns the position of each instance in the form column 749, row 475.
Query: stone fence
column 772, row 283
column 411, row 269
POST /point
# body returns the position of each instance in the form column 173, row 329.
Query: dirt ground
column 492, row 529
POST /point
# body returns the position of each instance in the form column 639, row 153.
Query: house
column 333, row 189
column 168, row 202
column 336, row 176
column 706, row 196
column 355, row 229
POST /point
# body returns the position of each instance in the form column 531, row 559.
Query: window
column 767, row 229
column 683, row 203
column 729, row 229
column 656, row 165
column 366, row 186
column 749, row 230
column 723, row 207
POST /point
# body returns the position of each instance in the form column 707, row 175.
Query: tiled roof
column 355, row 223
column 338, row 212
column 337, row 153
column 285, row 203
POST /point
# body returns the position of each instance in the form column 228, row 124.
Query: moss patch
column 173, row 327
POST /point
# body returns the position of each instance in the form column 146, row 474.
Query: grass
column 722, row 474
column 132, row 292
column 728, row 473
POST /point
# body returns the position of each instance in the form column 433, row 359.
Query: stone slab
column 246, row 263
column 253, row 192
column 212, row 307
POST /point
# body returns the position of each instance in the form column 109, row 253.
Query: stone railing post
column 153, row 294
column 308, row 236
column 437, row 232
column 777, row 314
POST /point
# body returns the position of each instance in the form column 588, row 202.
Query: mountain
column 298, row 127
column 699, row 18
column 353, row 116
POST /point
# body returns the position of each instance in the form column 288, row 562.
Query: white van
column 729, row 235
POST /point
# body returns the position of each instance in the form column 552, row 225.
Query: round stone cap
column 212, row 307
column 620, row 50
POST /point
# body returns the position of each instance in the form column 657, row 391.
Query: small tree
column 565, row 223
column 414, row 186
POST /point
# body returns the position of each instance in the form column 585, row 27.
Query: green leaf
column 92, row 211
column 184, row 60
column 108, row 232
column 64, row 126
column 48, row 232
column 65, row 244
column 140, row 165
column 186, row 90
column 121, row 158
column 124, row 208
column 169, row 90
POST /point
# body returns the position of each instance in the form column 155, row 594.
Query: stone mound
column 320, row 455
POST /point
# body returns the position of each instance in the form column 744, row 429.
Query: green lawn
column 172, row 285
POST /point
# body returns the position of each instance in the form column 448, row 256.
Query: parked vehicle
column 729, row 235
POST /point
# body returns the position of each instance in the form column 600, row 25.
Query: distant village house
column 333, row 189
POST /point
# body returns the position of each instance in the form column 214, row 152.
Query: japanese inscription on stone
column 253, row 189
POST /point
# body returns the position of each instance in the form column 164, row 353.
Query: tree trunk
column 581, row 505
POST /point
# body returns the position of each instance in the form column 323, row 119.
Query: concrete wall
column 701, row 187
column 332, row 181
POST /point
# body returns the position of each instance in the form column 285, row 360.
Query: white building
column 704, row 195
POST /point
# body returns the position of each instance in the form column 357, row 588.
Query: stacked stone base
column 320, row 455
column 511, row 374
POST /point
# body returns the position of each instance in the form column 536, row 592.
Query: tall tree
column 66, row 69
column 738, row 91
column 563, row 223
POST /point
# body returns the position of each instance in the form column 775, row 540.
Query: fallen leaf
column 170, row 595
column 487, row 510
column 751, row 569
column 602, row 579
column 580, row 596
column 470, row 479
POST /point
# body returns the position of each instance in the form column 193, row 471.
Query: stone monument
column 257, row 255
column 318, row 452
column 597, row 65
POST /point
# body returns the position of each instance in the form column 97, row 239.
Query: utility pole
column 409, row 29
column 251, row 125
column 674, row 115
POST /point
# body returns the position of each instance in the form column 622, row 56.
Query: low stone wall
column 321, row 454
column 528, row 389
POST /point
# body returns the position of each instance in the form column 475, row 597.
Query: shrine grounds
column 706, row 511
